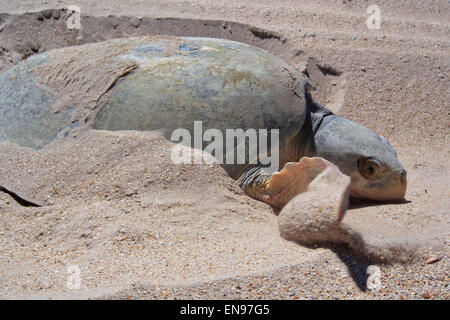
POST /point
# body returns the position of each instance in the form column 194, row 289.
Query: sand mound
column 121, row 212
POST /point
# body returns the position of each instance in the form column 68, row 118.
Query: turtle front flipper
column 280, row 187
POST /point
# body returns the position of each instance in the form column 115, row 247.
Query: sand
column 137, row 226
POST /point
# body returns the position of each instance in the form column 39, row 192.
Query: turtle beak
column 403, row 178
column 403, row 183
column 392, row 188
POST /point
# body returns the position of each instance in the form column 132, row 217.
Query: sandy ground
column 137, row 226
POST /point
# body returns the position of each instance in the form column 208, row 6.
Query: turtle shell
column 150, row 83
column 222, row 83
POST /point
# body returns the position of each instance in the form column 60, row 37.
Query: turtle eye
column 369, row 168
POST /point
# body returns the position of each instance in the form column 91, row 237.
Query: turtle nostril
column 403, row 176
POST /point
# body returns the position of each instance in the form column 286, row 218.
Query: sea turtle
column 165, row 83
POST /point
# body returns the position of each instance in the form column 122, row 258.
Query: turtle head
column 366, row 157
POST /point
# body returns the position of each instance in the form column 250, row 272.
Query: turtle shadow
column 355, row 203
column 348, row 245
column 356, row 268
column 356, row 260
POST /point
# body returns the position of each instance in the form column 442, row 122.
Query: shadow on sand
column 350, row 247
column 362, row 203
